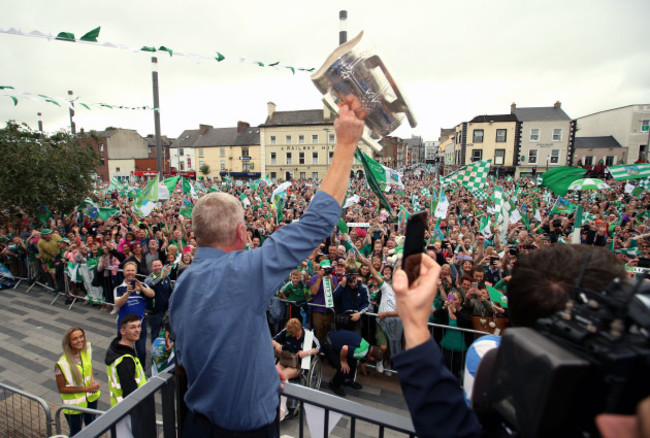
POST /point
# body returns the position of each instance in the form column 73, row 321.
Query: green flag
column 497, row 297
column 372, row 181
column 343, row 227
column 170, row 183
column 563, row 205
column 188, row 189
column 150, row 193
column 106, row 212
column 186, row 209
column 577, row 225
column 559, row 179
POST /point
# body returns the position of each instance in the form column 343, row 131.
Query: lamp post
column 156, row 115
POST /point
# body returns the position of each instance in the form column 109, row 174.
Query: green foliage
column 205, row 169
column 38, row 170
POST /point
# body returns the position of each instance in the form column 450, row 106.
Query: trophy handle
column 401, row 104
column 365, row 137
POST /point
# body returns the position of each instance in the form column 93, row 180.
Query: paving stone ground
column 31, row 330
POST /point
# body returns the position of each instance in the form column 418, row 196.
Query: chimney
column 241, row 126
column 149, row 135
column 82, row 131
column 204, row 128
column 513, row 107
column 271, row 108
column 558, row 104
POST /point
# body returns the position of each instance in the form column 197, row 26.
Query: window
column 272, row 139
column 180, row 151
column 301, row 139
column 182, row 164
column 331, row 155
column 477, row 154
column 222, row 153
column 314, row 157
column 314, row 175
column 244, row 152
column 273, row 175
column 150, row 150
column 101, row 147
column 314, row 139
column 501, row 135
column 589, row 161
column 645, row 125
column 223, row 165
column 245, row 166
column 499, row 156
column 287, row 139
column 478, row 136
column 301, row 158
column 303, row 175
column 532, row 156
column 534, row 134
column 555, row 156
column 609, row 161
column 332, row 139
column 288, row 158
column 273, row 158
column 557, row 134
column 200, row 152
column 101, row 161
column 189, row 163
column 201, row 164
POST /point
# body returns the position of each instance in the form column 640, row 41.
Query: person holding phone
column 130, row 298
column 432, row 394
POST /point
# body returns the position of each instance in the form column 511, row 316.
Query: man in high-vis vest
column 125, row 373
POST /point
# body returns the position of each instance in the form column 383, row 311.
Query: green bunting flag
column 92, row 35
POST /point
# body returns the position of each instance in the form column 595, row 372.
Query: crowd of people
column 341, row 285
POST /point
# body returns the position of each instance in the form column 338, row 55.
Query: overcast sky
column 454, row 60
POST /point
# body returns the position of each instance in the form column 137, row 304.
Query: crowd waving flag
column 472, row 176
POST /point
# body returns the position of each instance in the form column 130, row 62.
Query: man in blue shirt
column 218, row 309
column 130, row 298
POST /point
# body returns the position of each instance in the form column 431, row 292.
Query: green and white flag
column 484, row 227
column 372, row 175
column 403, row 214
column 244, row 200
column 472, row 176
column 268, row 180
column 536, row 214
column 115, row 185
column 629, row 171
column 106, row 212
column 278, row 198
column 351, row 201
column 382, row 173
column 415, row 202
column 442, row 206
column 150, row 192
column 189, row 189
column 577, row 225
column 563, row 205
column 143, row 208
column 501, row 212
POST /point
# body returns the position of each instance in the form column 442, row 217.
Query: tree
column 205, row 170
column 43, row 173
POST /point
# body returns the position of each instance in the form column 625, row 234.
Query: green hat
column 46, row 231
column 325, row 263
column 64, row 240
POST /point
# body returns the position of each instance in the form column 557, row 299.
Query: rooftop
column 597, row 142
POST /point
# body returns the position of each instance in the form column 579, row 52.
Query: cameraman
column 540, row 286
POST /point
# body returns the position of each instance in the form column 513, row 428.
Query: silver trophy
column 354, row 70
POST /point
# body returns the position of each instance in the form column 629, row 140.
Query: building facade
column 547, row 137
column 629, row 125
column 119, row 149
column 298, row 144
column 598, row 151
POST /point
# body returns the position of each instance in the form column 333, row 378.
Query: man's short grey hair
column 215, row 218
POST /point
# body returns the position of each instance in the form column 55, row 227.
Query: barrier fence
column 23, row 415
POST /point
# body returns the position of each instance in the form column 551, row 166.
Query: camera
column 557, row 223
column 513, row 250
column 590, row 358
column 328, row 270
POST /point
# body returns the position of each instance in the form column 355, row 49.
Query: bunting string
column 91, row 38
column 13, row 94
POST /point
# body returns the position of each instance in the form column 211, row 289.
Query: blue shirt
column 218, row 316
column 134, row 304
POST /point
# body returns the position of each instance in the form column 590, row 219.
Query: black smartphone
column 414, row 245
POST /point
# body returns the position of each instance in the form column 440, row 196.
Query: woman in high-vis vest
column 74, row 378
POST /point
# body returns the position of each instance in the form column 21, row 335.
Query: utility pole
column 156, row 116
column 73, row 128
column 343, row 28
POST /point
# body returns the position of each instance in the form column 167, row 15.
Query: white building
column 629, row 125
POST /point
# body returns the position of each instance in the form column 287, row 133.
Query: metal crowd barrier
column 23, row 415
column 172, row 426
